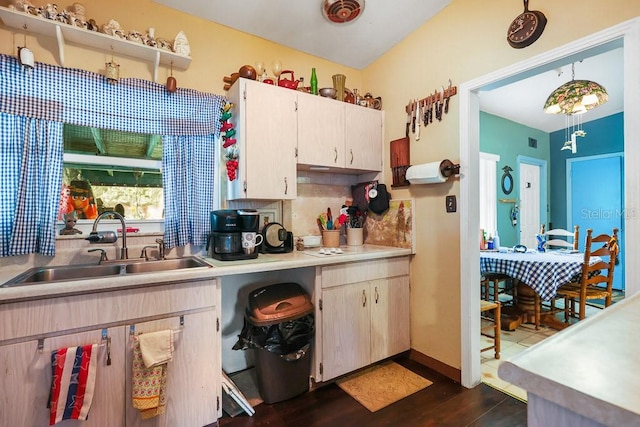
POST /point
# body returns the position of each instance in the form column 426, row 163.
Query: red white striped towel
column 72, row 383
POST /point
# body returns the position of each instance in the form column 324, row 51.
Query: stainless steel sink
column 62, row 273
column 41, row 275
column 165, row 265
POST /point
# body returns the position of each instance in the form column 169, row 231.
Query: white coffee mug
column 251, row 239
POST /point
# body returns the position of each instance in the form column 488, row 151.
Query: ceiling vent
column 342, row 11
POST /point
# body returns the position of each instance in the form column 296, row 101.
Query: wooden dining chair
column 555, row 238
column 493, row 324
column 606, row 247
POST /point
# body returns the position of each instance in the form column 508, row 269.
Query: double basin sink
column 41, row 275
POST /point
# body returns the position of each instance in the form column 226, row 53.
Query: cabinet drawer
column 103, row 308
column 342, row 274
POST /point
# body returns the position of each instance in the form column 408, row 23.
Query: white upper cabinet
column 364, row 136
column 321, row 131
column 265, row 121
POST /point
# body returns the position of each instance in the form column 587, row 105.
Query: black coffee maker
column 225, row 240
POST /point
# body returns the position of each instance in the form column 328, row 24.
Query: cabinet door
column 193, row 376
column 346, row 326
column 321, row 131
column 266, row 132
column 25, row 375
column 364, row 135
column 390, row 318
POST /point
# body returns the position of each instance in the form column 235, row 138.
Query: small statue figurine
column 70, row 220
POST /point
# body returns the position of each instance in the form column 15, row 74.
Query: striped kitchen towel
column 72, row 382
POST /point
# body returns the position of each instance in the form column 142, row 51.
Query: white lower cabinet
column 26, row 381
column 190, row 385
column 364, row 315
column 193, row 377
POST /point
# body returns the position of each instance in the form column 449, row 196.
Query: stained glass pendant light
column 575, row 96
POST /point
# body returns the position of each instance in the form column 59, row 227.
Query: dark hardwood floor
column 444, row 403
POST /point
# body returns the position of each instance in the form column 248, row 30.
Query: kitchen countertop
column 591, row 369
column 264, row 262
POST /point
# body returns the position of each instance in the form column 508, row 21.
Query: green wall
column 509, row 140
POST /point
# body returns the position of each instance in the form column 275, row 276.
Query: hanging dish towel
column 72, row 382
column 151, row 353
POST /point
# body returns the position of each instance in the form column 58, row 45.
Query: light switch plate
column 451, row 203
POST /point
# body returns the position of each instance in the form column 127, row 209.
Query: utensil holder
column 338, row 84
column 354, row 237
column 331, row 238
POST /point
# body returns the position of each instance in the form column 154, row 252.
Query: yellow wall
column 464, row 41
column 216, row 50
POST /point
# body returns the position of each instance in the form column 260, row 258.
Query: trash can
column 279, row 326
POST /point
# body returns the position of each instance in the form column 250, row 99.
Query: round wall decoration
column 507, row 180
column 526, row 28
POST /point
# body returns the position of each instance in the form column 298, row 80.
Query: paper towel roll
column 427, row 173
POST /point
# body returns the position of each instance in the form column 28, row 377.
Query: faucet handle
column 161, row 248
column 103, row 254
column 144, row 254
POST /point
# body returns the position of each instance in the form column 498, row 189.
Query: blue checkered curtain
column 31, row 162
column 186, row 119
column 188, row 182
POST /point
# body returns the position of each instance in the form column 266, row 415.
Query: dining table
column 542, row 272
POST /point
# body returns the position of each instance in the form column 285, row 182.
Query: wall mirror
column 507, row 180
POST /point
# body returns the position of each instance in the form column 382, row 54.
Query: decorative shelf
column 82, row 37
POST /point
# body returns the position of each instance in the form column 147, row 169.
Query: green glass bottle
column 314, row 82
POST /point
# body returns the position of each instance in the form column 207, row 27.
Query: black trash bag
column 285, row 338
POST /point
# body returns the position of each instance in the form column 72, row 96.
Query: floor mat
column 381, row 385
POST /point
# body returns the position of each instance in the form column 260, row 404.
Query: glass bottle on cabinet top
column 314, row 82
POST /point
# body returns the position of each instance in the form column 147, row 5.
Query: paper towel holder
column 432, row 173
column 448, row 168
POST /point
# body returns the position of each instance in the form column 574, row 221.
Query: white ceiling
column 299, row 24
column 522, row 101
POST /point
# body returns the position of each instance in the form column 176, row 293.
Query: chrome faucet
column 110, row 236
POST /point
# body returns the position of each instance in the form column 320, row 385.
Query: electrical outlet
column 451, row 203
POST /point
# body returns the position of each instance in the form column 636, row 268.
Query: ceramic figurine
column 51, row 11
column 181, row 45
column 150, row 37
column 70, row 220
column 135, row 36
column 112, row 28
column 164, row 44
column 78, row 10
column 22, row 6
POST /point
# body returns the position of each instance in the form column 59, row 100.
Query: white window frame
column 488, row 192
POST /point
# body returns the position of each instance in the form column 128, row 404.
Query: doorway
column 625, row 34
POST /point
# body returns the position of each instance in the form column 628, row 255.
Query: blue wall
column 603, row 136
column 509, row 140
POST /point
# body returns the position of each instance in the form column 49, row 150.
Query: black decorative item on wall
column 526, row 28
column 507, row 180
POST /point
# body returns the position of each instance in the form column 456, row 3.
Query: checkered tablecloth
column 544, row 272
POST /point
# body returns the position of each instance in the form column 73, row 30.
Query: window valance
column 85, row 98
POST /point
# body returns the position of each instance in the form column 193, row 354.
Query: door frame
column 626, row 34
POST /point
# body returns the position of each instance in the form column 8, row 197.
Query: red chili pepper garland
column 228, row 132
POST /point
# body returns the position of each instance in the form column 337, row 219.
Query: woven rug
column 381, row 385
